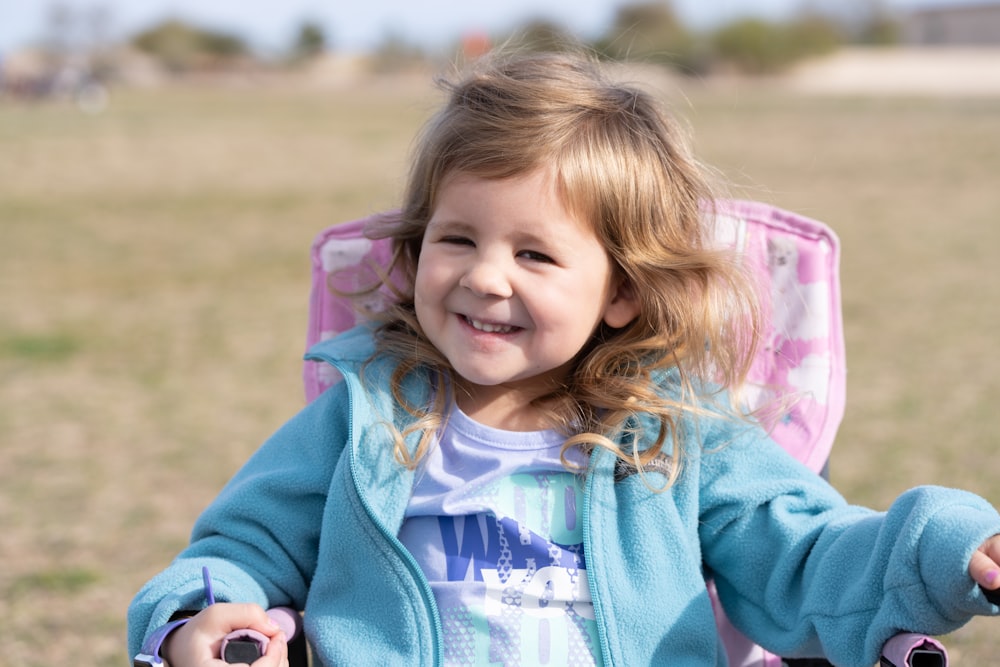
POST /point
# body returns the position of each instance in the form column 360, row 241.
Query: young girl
column 533, row 456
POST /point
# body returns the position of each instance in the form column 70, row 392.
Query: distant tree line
column 181, row 46
column 648, row 31
column 651, row 32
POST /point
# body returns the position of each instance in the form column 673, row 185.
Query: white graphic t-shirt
column 494, row 524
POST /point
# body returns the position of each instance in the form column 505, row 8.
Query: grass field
column 153, row 284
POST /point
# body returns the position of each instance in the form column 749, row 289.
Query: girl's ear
column 622, row 306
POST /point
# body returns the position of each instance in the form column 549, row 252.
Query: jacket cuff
column 944, row 566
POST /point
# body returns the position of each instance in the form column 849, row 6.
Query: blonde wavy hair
column 625, row 166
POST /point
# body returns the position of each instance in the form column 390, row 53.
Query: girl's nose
column 486, row 279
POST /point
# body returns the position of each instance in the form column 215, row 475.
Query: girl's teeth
column 490, row 328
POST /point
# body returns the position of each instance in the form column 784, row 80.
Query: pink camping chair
column 801, row 359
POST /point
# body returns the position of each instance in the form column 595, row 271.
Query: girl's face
column 510, row 286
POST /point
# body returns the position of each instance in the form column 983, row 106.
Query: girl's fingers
column 983, row 567
column 277, row 652
column 199, row 641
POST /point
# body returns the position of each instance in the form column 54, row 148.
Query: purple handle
column 899, row 650
column 247, row 645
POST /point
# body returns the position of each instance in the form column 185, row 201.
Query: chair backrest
column 800, row 363
column 795, row 259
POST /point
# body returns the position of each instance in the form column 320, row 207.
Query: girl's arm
column 803, row 573
column 260, row 536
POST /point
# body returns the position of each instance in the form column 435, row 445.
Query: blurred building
column 968, row 24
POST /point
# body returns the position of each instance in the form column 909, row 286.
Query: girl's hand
column 984, row 567
column 198, row 642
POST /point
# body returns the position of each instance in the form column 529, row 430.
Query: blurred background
column 81, row 48
column 164, row 166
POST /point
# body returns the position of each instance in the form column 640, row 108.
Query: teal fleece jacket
column 311, row 521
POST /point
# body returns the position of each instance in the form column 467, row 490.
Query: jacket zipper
column 589, row 551
column 430, row 604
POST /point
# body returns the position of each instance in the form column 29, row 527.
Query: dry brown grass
column 153, row 283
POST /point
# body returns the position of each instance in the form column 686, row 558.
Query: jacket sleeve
column 803, row 573
column 259, row 537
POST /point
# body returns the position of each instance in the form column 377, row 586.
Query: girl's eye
column 456, row 240
column 536, row 256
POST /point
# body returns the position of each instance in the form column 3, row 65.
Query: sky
column 355, row 25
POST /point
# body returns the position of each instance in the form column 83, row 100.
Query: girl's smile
column 488, row 327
